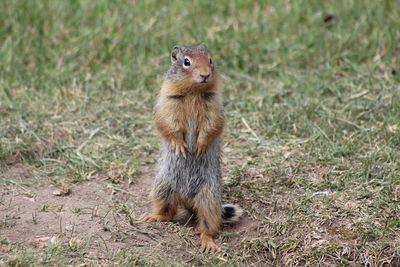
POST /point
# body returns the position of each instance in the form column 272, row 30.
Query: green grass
column 313, row 133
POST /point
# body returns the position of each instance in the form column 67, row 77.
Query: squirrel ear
column 203, row 46
column 174, row 53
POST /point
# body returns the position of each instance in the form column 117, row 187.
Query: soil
column 98, row 216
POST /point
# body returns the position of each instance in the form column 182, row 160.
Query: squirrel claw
column 155, row 218
column 200, row 150
column 207, row 244
column 183, row 151
column 180, row 148
column 201, row 146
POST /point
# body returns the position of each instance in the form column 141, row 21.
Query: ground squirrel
column 189, row 117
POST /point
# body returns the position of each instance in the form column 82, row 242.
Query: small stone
column 63, row 191
column 53, row 240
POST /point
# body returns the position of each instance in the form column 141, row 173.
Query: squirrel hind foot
column 156, row 218
column 207, row 243
column 231, row 213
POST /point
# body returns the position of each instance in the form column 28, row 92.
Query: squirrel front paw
column 201, row 147
column 179, row 146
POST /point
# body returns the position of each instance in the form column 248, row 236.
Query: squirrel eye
column 210, row 61
column 186, row 62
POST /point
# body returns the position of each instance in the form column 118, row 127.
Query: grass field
column 312, row 143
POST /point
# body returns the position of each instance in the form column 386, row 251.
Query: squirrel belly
column 185, row 176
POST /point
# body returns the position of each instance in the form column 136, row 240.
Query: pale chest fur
column 197, row 112
column 190, row 113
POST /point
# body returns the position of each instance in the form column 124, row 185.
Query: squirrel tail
column 231, row 213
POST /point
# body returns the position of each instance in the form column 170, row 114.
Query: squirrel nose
column 204, row 76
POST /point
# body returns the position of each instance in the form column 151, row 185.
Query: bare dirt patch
column 98, row 219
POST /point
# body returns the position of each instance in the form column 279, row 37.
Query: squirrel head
column 192, row 65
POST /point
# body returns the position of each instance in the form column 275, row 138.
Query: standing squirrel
column 189, row 117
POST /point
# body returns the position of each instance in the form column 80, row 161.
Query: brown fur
column 172, row 117
column 182, row 100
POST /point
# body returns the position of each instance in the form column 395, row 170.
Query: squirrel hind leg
column 208, row 226
column 162, row 211
column 209, row 217
column 231, row 213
